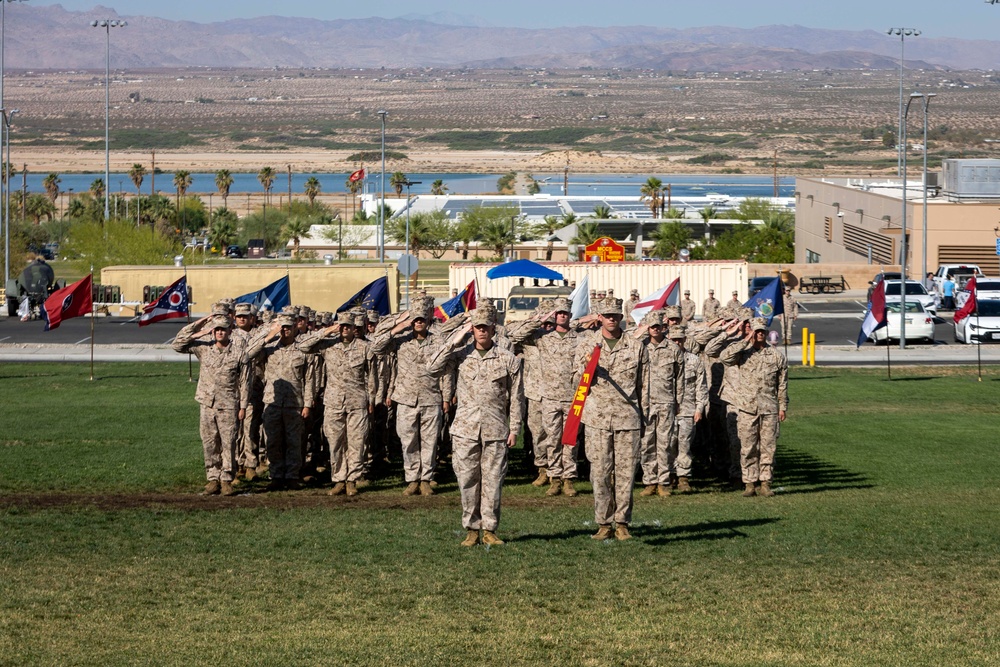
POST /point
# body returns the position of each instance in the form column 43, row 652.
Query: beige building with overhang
column 860, row 220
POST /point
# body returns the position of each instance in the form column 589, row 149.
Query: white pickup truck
column 960, row 273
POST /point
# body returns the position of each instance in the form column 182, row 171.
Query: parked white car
column 986, row 288
column 919, row 323
column 914, row 290
column 981, row 328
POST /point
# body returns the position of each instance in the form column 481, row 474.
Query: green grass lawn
column 880, row 548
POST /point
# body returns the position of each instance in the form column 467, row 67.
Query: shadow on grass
column 801, row 472
column 705, row 530
column 922, row 379
column 818, row 377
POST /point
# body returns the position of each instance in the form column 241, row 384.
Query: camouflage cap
column 758, row 324
column 609, row 306
column 221, row 308
column 672, row 312
column 633, row 292
column 221, row 322
column 286, row 320
column 422, row 307
column 744, row 314
column 653, row 318
column 310, row 314
column 562, row 305
column 359, row 322
column 266, row 316
column 345, row 317
column 245, row 309
column 484, row 314
column 677, row 331
column 290, row 310
column 374, row 316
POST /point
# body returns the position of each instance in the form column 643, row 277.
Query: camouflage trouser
column 787, row 328
column 480, row 467
column 249, row 438
column 560, row 459
column 612, row 453
column 536, row 426
column 733, row 432
column 283, row 428
column 218, row 440
column 718, row 438
column 347, row 433
column 655, row 451
column 680, row 447
column 418, row 428
column 759, row 435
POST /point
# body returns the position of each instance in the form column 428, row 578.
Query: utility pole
column 289, row 187
column 775, row 174
column 152, row 177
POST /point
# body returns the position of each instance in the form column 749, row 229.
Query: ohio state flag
column 73, row 300
column 172, row 303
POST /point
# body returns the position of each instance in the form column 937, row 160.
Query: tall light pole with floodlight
column 902, row 259
column 923, row 254
column 107, row 24
column 903, row 33
column 408, row 184
column 7, row 118
column 4, row 185
column 381, row 209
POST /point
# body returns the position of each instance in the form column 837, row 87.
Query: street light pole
column 903, row 34
column 381, row 209
column 902, row 262
column 7, row 118
column 107, row 24
column 408, row 183
column 4, row 185
column 923, row 236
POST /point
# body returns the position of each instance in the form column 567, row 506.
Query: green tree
column 266, row 178
column 7, row 174
column 223, row 183
column 193, row 214
column 586, row 233
column 477, row 219
column 118, row 242
column 353, row 187
column 294, row 230
column 312, row 189
column 137, row 174
column 438, row 187
column 51, row 185
column 889, row 139
column 398, row 181
column 222, row 231
column 669, row 239
column 426, row 231
column 182, row 181
column 549, row 225
column 498, row 235
column 602, row 212
column 38, row 206
column 97, row 188
column 673, row 213
column 652, row 194
column 158, row 212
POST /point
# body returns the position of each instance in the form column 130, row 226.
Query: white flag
column 581, row 299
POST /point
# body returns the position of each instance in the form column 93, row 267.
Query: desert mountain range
column 50, row 37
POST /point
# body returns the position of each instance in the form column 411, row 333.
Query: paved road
column 107, row 331
column 839, row 323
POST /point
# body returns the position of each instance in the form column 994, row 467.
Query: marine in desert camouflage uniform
column 223, row 392
column 688, row 307
column 613, row 414
column 762, row 399
column 248, row 448
column 488, row 415
column 664, row 360
column 692, row 405
column 791, row 308
column 711, row 306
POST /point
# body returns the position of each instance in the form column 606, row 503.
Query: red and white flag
column 665, row 296
column 74, row 300
column 172, row 303
column 969, row 306
column 357, row 176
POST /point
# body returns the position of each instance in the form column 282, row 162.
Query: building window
column 812, row 257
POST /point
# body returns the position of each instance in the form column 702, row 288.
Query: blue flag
column 373, row 296
column 768, row 302
column 274, row 297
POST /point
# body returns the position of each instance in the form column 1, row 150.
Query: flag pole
column 190, row 361
column 92, row 316
column 888, row 358
column 979, row 346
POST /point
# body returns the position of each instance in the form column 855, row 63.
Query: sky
column 970, row 19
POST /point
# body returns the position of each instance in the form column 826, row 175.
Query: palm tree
column 223, row 182
column 8, row 173
column 312, row 189
column 398, row 182
column 586, row 233
column 293, row 231
column 223, row 229
column 51, row 185
column 137, row 174
column 602, row 212
column 182, row 181
column 670, row 238
column 97, row 188
column 707, row 214
column 547, row 227
column 38, row 206
column 266, row 177
column 652, row 191
column 438, row 187
column 497, row 235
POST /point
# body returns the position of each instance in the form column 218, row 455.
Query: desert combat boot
column 749, row 490
column 568, row 489
column 603, row 533
column 425, row 489
column 621, row 533
column 765, row 490
column 490, row 539
column 471, row 538
column 411, row 489
column 212, row 488
column 555, row 487
column 542, row 479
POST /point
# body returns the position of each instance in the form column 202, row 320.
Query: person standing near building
column 223, row 393
column 710, row 308
column 289, row 395
column 688, row 307
column 633, row 298
column 421, row 399
column 248, row 450
column 947, row 293
column 664, row 359
column 788, row 317
column 692, row 406
column 734, row 302
column 613, row 414
column 762, row 400
column 488, row 415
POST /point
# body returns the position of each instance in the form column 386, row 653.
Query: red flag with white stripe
column 665, row 296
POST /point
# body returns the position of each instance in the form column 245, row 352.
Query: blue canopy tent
column 523, row 268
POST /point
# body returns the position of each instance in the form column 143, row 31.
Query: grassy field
column 878, row 549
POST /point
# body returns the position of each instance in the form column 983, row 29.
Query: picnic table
column 822, row 284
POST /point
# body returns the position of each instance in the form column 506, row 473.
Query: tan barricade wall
column 323, row 288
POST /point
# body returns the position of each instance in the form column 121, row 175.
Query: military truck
column 522, row 300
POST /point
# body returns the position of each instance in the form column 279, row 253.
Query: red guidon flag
column 358, row 175
column 73, row 300
column 970, row 305
column 572, row 427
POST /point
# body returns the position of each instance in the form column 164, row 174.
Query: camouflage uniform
column 728, row 388
column 761, row 394
column 490, row 393
column 289, row 386
column 692, row 397
column 418, row 395
column 248, row 448
column 788, row 317
column 710, row 308
column 613, row 415
column 349, row 392
column 688, row 308
column 664, row 360
column 223, row 390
